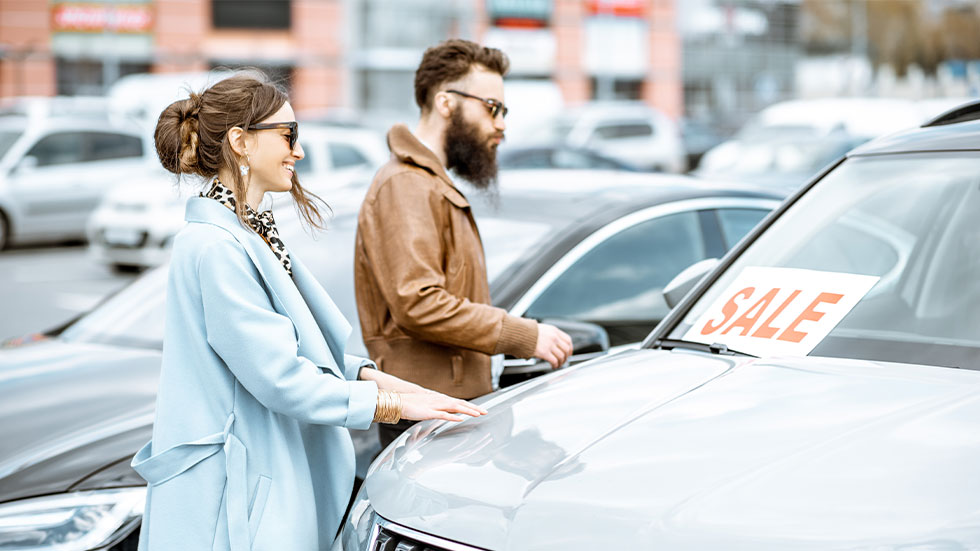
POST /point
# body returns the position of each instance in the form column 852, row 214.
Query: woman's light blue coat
column 250, row 449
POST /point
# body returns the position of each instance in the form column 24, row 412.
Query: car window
column 7, row 139
column 531, row 158
column 131, row 317
column 343, row 155
column 59, row 148
column 736, row 223
column 621, row 279
column 107, row 145
column 305, row 165
column 904, row 221
column 567, row 158
column 618, row 131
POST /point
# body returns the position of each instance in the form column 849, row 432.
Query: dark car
column 76, row 406
column 818, row 389
column 556, row 157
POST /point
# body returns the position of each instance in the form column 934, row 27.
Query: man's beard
column 469, row 154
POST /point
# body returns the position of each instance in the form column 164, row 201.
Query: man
column 420, row 275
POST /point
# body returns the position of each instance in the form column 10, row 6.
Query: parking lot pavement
column 42, row 287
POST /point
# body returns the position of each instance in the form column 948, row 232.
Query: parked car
column 537, row 157
column 817, row 389
column 76, row 406
column 631, row 132
column 788, row 143
column 776, row 157
column 135, row 223
column 57, row 159
column 698, row 137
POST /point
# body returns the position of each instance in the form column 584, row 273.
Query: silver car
column 56, row 162
column 818, row 389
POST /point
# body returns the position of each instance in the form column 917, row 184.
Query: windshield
column 904, row 227
column 131, row 317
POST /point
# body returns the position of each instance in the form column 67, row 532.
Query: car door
column 41, row 185
column 615, row 277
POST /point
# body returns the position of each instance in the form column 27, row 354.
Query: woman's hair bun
column 176, row 136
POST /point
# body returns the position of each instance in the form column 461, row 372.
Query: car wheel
column 4, row 230
column 126, row 268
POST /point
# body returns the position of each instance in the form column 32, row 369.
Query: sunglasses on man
column 293, row 127
column 495, row 107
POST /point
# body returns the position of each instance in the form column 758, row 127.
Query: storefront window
column 249, row 14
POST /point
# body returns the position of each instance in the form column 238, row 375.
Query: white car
column 631, row 132
column 58, row 157
column 788, row 142
column 134, row 224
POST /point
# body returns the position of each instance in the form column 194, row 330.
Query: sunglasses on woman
column 293, row 127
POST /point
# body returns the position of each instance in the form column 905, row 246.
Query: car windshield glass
column 131, row 317
column 7, row 139
column 506, row 240
column 899, row 219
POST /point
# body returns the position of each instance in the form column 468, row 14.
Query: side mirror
column 26, row 165
column 589, row 341
column 686, row 280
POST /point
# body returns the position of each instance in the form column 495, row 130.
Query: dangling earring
column 243, row 168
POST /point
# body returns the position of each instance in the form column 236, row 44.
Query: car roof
column 559, row 198
column 961, row 136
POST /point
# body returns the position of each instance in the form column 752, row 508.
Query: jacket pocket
column 457, row 361
column 257, row 506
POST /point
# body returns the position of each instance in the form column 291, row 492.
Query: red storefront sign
column 122, row 18
column 619, row 8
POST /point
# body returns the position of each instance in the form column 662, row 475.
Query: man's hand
column 554, row 345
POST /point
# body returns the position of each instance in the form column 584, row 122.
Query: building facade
column 342, row 54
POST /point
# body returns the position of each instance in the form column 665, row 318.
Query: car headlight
column 69, row 522
column 359, row 525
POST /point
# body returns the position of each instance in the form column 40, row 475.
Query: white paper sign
column 779, row 311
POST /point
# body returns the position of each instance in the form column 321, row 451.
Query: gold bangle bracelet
column 389, row 407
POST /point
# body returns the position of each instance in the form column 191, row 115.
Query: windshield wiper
column 715, row 348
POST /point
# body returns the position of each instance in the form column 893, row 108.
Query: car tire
column 4, row 230
column 126, row 268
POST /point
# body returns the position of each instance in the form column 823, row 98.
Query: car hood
column 69, row 410
column 687, row 450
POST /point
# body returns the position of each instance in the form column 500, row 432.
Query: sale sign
column 779, row 311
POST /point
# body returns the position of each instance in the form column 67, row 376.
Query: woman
column 250, row 446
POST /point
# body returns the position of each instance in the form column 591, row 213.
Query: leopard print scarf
column 262, row 222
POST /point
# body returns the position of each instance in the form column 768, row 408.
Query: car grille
column 396, row 538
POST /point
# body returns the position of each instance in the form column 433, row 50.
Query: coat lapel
column 321, row 329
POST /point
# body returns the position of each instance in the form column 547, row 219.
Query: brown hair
column 452, row 60
column 190, row 135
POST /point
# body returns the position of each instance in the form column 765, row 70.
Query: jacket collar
column 408, row 149
column 299, row 297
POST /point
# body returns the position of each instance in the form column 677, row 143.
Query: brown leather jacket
column 421, row 281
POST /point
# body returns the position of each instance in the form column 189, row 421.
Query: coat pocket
column 257, row 505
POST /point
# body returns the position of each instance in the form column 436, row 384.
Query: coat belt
column 161, row 467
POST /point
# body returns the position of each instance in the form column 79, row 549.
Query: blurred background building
column 342, row 54
column 713, row 61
